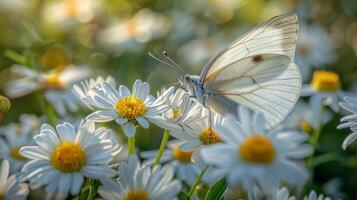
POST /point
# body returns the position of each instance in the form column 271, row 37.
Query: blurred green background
column 113, row 37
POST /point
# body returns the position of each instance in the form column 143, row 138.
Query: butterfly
column 256, row 70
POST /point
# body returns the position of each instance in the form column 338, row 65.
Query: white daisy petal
column 102, row 116
column 143, row 122
column 129, row 129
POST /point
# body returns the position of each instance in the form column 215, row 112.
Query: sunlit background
column 113, row 37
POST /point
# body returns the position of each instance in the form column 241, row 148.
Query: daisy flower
column 64, row 156
column 139, row 182
column 196, row 134
column 303, row 118
column 253, row 157
column 71, row 12
column 30, row 123
column 56, row 84
column 349, row 104
column 325, row 88
column 182, row 110
column 10, row 144
column 181, row 161
column 283, row 194
column 314, row 196
column 10, row 188
column 82, row 90
column 128, row 109
column 141, row 28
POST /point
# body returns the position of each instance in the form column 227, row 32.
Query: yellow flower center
column 2, row 196
column 131, row 108
column 15, row 153
column 209, row 136
column 139, row 194
column 257, row 149
column 131, row 27
column 68, row 157
column 54, row 58
column 176, row 112
column 182, row 156
column 52, row 81
column 71, row 8
column 325, row 81
column 306, row 126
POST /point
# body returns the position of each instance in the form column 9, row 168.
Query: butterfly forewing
column 277, row 35
column 257, row 71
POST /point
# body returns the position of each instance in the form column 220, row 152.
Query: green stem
column 47, row 109
column 316, row 136
column 131, row 145
column 314, row 141
column 165, row 139
column 197, row 181
column 92, row 189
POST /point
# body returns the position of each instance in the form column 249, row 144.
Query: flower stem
column 316, row 135
column 47, row 109
column 197, row 181
column 131, row 145
column 93, row 187
column 314, row 141
column 165, row 139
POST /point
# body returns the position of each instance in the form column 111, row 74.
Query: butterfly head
column 186, row 81
column 189, row 83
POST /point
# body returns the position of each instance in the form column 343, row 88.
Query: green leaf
column 183, row 196
column 217, row 190
column 16, row 57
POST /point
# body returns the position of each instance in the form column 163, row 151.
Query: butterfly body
column 256, row 70
column 194, row 87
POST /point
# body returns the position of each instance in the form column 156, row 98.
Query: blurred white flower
column 140, row 182
column 56, row 83
column 16, row 6
column 219, row 10
column 254, row 157
column 63, row 157
column 325, row 88
column 349, row 104
column 304, row 118
column 141, row 28
column 196, row 53
column 314, row 196
column 128, row 109
column 315, row 49
column 70, row 12
column 13, row 139
column 283, row 194
column 10, row 188
column 30, row 123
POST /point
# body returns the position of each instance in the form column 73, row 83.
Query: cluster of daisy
column 76, row 156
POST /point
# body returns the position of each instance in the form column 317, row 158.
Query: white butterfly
column 256, row 70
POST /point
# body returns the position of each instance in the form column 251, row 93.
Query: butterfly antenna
column 164, row 62
column 173, row 62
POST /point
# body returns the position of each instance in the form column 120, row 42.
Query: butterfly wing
column 277, row 35
column 257, row 71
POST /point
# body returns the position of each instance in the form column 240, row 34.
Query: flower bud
column 5, row 105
